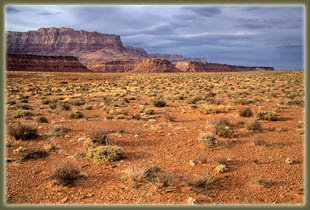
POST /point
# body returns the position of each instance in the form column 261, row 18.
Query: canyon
column 97, row 52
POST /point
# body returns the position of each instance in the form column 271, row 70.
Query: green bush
column 106, row 153
column 266, row 115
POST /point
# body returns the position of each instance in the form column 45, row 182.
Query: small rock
column 136, row 136
column 152, row 120
column 81, row 139
column 19, row 149
column 67, row 136
column 290, row 161
column 192, row 163
column 83, row 175
column 221, row 168
column 191, row 201
column 8, row 160
column 64, row 200
column 169, row 134
column 40, row 127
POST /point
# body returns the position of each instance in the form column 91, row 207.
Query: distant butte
column 97, row 52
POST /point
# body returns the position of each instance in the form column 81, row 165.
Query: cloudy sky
column 239, row 35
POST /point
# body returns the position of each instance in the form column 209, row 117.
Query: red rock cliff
column 19, row 62
column 155, row 65
column 60, row 40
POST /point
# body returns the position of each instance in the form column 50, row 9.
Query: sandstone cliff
column 18, row 62
column 60, row 40
column 175, row 57
column 190, row 66
column 114, row 66
column 136, row 51
column 155, row 65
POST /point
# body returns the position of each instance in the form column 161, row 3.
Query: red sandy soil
column 168, row 145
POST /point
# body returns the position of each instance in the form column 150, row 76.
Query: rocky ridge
column 18, row 62
column 104, row 52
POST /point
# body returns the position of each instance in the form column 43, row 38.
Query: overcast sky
column 239, row 35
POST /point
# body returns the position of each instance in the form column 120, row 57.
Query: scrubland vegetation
column 204, row 138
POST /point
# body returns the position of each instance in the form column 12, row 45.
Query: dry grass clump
column 201, row 184
column 208, row 139
column 23, row 132
column 42, row 119
column 245, row 112
column 99, row 136
column 58, row 130
column 23, row 113
column 66, row 174
column 222, row 127
column 106, row 153
column 254, row 126
column 76, row 114
column 158, row 102
column 151, row 175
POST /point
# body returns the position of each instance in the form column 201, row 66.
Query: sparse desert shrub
column 159, row 102
column 261, row 142
column 106, row 153
column 245, row 112
column 52, row 105
column 24, row 107
column 35, row 155
column 254, row 126
column 218, row 121
column 89, row 107
column 153, row 175
column 76, row 114
column 126, row 100
column 11, row 102
column 66, row 174
column 267, row 115
column 225, row 131
column 46, row 101
column 208, row 140
column 64, row 106
column 242, row 101
column 23, row 113
column 213, row 109
column 136, row 117
column 58, row 130
column 42, row 119
column 169, row 117
column 201, row 184
column 149, row 111
column 194, row 100
column 99, row 136
column 78, row 102
column 23, row 132
column 263, row 182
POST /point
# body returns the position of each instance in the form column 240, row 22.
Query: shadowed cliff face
column 18, row 62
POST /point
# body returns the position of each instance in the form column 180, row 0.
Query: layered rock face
column 60, row 41
column 115, row 66
column 18, row 62
column 105, row 52
column 175, row 57
column 189, row 66
column 136, row 51
column 155, row 65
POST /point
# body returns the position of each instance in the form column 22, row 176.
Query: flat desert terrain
column 178, row 138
